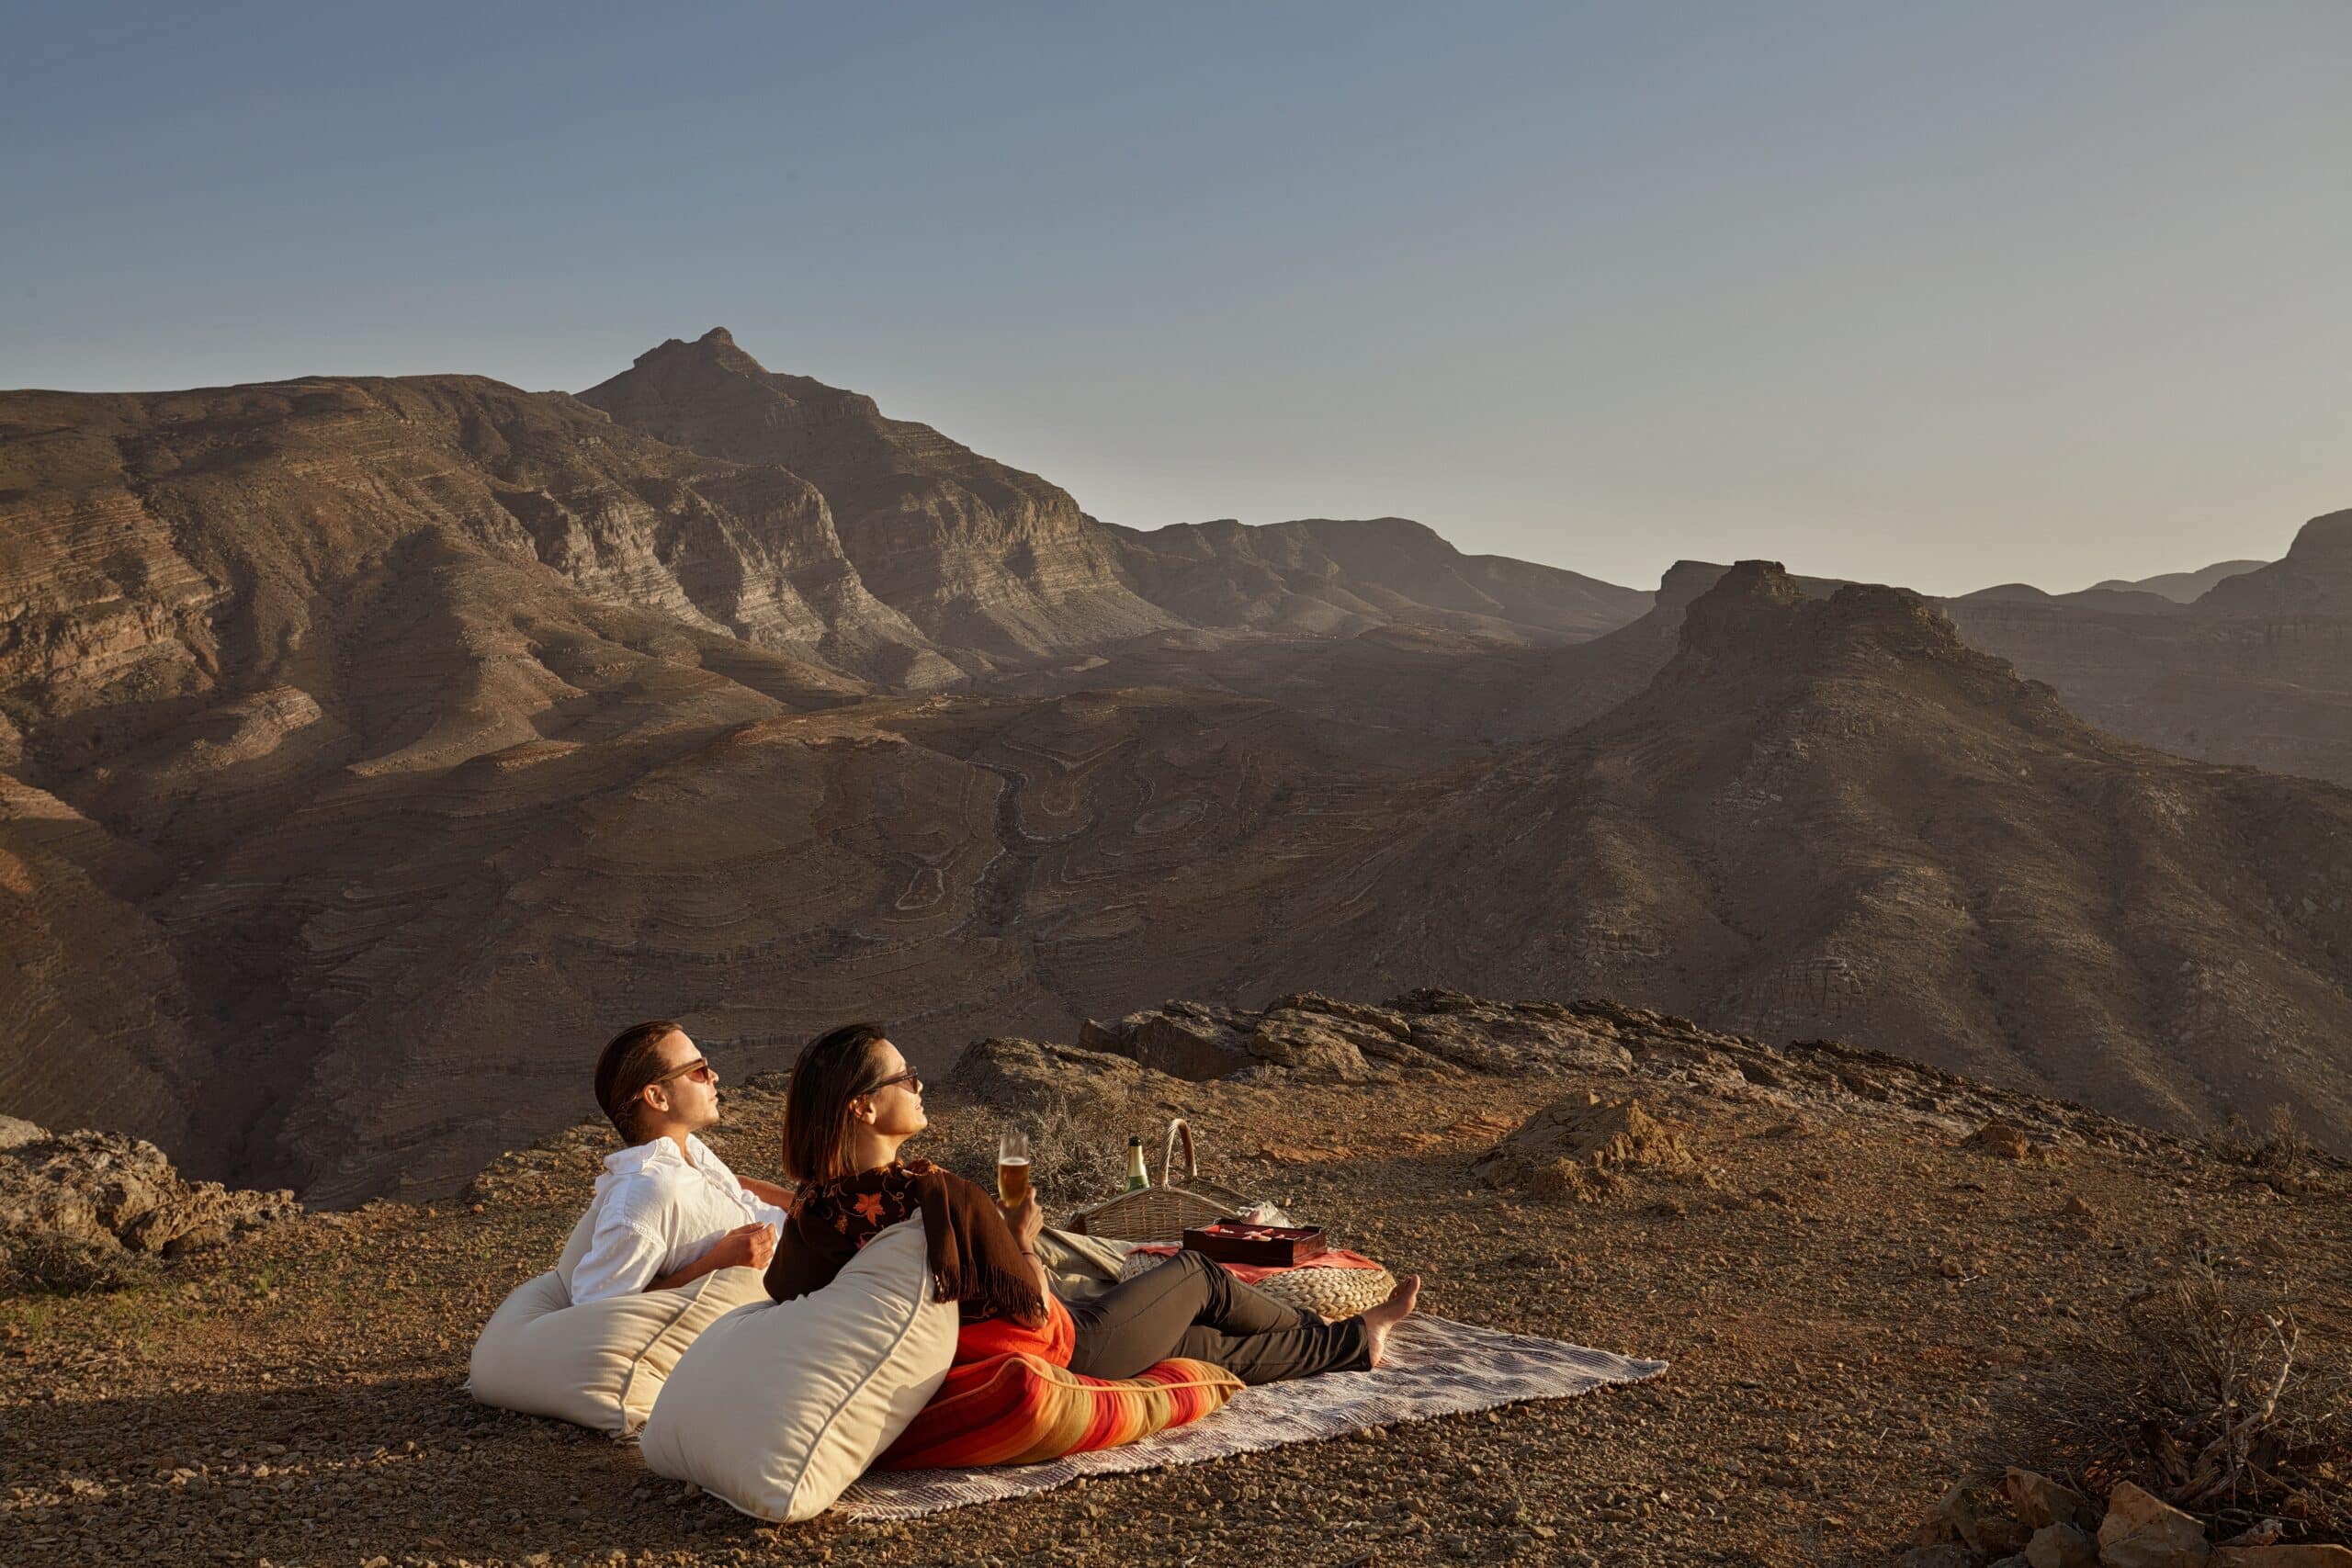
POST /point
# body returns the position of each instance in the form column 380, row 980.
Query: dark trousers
column 1188, row 1306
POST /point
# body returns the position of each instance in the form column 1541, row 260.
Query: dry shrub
column 1077, row 1150
column 2211, row 1393
column 1077, row 1146
column 54, row 1265
column 2282, row 1145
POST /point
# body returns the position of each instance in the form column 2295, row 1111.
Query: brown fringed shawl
column 974, row 1259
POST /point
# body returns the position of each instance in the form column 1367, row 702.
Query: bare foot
column 1387, row 1315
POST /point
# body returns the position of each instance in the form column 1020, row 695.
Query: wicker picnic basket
column 1165, row 1212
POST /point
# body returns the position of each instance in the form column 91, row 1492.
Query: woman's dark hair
column 631, row 1060
column 832, row 1070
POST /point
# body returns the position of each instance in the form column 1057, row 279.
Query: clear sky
column 1937, row 294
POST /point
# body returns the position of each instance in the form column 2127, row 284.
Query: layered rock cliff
column 989, row 562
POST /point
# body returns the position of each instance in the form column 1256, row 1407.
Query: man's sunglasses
column 700, row 1070
column 912, row 1079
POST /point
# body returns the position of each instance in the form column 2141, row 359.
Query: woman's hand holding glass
column 1026, row 1220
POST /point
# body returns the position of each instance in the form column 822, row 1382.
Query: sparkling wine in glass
column 1012, row 1170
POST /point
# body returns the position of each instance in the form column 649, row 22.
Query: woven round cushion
column 1327, row 1292
column 1330, row 1293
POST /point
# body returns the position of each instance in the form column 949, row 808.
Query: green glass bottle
column 1137, row 1177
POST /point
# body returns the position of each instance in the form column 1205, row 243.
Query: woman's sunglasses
column 912, row 1079
column 700, row 1070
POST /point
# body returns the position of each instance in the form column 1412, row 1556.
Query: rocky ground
column 1858, row 1290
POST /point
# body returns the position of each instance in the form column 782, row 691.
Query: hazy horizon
column 1946, row 298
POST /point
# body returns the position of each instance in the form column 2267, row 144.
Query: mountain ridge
column 392, row 738
column 1823, row 813
column 981, row 556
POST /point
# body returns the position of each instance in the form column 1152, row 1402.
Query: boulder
column 2143, row 1530
column 78, row 1210
column 1947, row 1555
column 2060, row 1546
column 1304, row 1034
column 1978, row 1508
column 2006, row 1141
column 1023, row 1074
column 1462, row 1033
column 2037, row 1500
column 2301, row 1555
column 1385, row 1039
column 1184, row 1040
column 1309, row 1045
column 1582, row 1148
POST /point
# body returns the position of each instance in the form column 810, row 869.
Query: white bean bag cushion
column 780, row 1405
column 600, row 1365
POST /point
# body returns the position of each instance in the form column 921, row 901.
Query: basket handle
column 1168, row 1159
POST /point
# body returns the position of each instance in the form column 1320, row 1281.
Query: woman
column 854, row 1101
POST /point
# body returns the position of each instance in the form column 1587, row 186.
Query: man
column 671, row 1211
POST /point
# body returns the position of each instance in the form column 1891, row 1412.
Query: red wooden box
column 1266, row 1247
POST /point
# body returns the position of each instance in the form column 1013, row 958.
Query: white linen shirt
column 658, row 1214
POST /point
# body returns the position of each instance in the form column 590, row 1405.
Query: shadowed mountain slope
column 2181, row 587
column 1830, row 817
column 2258, row 669
column 2315, row 578
column 1419, row 676
column 1336, row 579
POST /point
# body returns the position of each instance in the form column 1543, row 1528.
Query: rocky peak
column 1758, row 624
column 2325, row 538
column 985, row 560
column 1752, row 595
column 674, row 373
column 1685, row 580
column 2315, row 578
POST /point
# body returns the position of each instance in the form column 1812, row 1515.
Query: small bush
column 2281, row 1147
column 1078, row 1147
column 50, row 1265
column 2208, row 1392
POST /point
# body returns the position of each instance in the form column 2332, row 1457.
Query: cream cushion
column 778, row 1406
column 600, row 1365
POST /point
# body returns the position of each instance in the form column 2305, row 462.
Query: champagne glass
column 1012, row 1170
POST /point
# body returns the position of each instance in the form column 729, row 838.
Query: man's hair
column 832, row 1070
column 631, row 1060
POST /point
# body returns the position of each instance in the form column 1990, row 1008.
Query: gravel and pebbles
column 1847, row 1301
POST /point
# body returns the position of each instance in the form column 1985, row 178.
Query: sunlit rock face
column 988, row 562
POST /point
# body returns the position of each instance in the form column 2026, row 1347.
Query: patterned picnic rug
column 1436, row 1366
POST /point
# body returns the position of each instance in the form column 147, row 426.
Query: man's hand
column 745, row 1247
column 1026, row 1220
